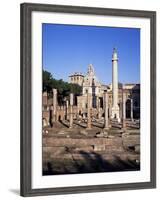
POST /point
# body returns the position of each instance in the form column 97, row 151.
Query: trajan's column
column 115, row 107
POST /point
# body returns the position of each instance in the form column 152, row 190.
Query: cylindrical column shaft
column 132, row 109
column 124, row 110
column 99, row 108
column 67, row 105
column 88, row 110
column 54, row 104
column 115, row 82
column 71, row 111
column 115, row 107
column 97, row 102
column 106, row 110
column 110, row 111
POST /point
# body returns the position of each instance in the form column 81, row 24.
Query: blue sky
column 71, row 48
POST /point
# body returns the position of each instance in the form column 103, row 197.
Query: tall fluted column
column 106, row 110
column 115, row 107
column 71, row 111
column 54, row 104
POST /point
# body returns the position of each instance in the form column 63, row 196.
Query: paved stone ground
column 77, row 150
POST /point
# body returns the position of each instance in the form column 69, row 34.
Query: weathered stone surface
column 61, row 132
column 102, row 134
column 113, row 148
column 83, row 132
column 53, row 149
column 99, row 147
column 111, row 136
column 125, row 134
column 86, row 149
column 137, row 148
column 80, row 142
column 131, row 140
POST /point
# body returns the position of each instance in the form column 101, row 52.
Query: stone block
column 53, row 150
column 85, row 148
column 62, row 132
column 99, row 147
column 130, row 140
column 102, row 134
column 80, row 142
column 83, row 132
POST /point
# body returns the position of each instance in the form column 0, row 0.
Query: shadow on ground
column 89, row 163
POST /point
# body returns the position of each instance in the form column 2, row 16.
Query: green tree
column 47, row 81
column 64, row 88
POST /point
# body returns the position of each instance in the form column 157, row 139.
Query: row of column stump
column 89, row 109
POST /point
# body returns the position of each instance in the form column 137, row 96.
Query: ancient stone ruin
column 97, row 131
